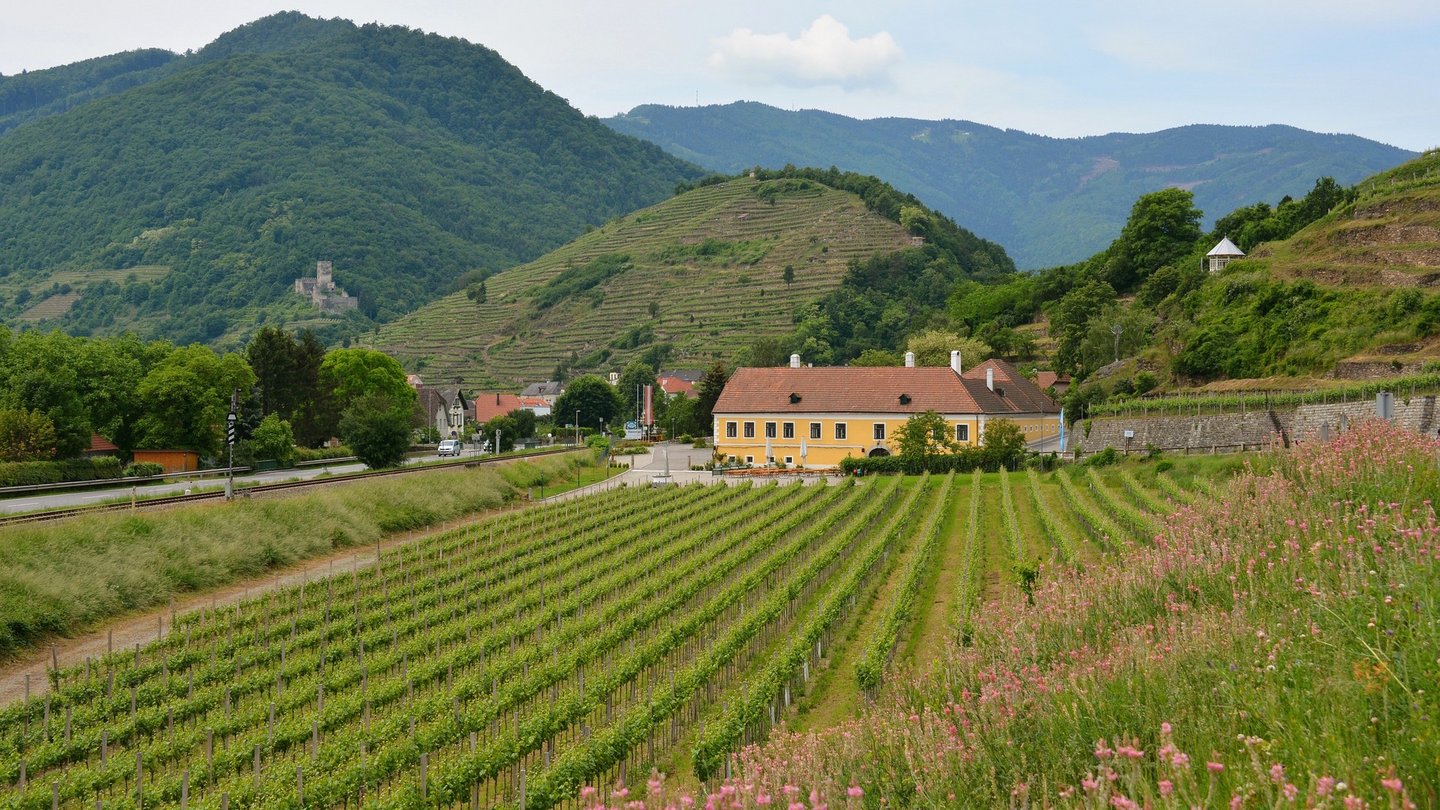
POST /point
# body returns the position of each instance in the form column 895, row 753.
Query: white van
column 449, row 447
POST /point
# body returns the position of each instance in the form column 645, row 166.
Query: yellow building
column 815, row 417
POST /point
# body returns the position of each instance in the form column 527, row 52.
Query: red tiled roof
column 534, row 402
column 879, row 390
column 676, row 385
column 100, row 444
column 490, row 405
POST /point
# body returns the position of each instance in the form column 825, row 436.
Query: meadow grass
column 1277, row 647
column 58, row 578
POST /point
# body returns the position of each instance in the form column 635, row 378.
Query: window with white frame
column 814, row 430
column 879, row 431
column 962, row 433
column 840, row 430
column 730, row 430
column 749, row 430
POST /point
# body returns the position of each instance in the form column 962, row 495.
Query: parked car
column 450, row 447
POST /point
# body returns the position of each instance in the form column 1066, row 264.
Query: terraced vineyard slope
column 704, row 272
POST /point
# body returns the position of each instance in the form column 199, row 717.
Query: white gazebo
column 1222, row 254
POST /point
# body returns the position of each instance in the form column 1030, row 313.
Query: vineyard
column 515, row 660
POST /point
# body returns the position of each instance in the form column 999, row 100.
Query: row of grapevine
column 1055, row 531
column 1139, row 524
column 869, row 671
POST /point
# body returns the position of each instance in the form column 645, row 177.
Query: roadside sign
column 230, row 428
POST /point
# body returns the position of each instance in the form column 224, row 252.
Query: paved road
column 62, row 500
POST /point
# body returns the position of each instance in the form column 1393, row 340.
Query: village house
column 680, row 381
column 550, row 390
column 816, row 417
column 443, row 407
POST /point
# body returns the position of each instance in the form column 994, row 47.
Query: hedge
column 29, row 473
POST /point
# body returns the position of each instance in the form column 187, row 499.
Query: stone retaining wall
column 1253, row 430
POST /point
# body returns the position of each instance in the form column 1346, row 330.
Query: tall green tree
column 925, row 434
column 186, row 397
column 707, row 392
column 315, row 415
column 26, row 436
column 39, row 374
column 933, row 346
column 592, row 397
column 1164, row 227
column 348, row 375
column 637, row 374
column 274, row 357
column 377, row 429
column 1004, row 443
column 1070, row 319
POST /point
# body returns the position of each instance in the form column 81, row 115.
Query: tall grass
column 1275, row 648
column 56, row 578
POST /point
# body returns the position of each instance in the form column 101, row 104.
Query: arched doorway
column 879, row 452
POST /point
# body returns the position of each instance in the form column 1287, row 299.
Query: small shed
column 172, row 461
column 1222, row 254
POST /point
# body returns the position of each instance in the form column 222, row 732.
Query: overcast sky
column 1083, row 67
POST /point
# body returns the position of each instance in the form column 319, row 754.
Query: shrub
column 322, row 453
column 143, row 469
column 30, row 473
column 1104, row 458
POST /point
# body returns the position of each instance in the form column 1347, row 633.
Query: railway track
column 259, row 489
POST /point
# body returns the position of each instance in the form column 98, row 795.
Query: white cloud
column 823, row 54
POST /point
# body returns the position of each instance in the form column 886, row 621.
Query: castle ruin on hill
column 323, row 293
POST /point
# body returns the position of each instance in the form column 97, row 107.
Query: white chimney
column 909, row 359
column 955, row 361
column 990, row 378
column 794, row 361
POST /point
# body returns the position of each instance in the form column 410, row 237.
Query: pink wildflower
column 1166, row 787
column 854, row 792
column 1277, row 773
column 1392, row 784
column 1165, row 729
column 1324, row 786
column 1123, row 803
column 1290, row 792
column 1103, row 751
column 1214, row 767
column 1354, row 803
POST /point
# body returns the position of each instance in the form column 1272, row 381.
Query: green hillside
column 702, row 274
column 1047, row 200
column 406, row 159
column 1340, row 284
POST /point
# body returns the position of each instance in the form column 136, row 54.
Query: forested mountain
column 180, row 196
column 1049, row 201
